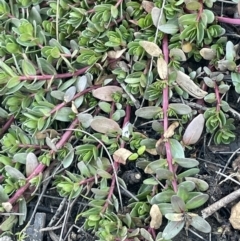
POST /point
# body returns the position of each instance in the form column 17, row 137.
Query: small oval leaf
column 156, row 217
column 162, row 68
column 121, row 155
column 172, row 229
column 189, row 86
column 201, row 224
column 197, row 201
column 105, row 93
column 104, row 174
column 105, row 125
column 148, row 112
column 192, row 134
column 69, row 94
column 31, row 163
column 200, row 184
column 180, row 109
column 85, row 119
column 151, row 48
column 14, row 173
column 186, row 162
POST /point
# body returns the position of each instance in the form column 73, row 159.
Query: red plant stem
column 235, row 21
column 152, row 231
column 110, row 192
column 57, row 76
column 40, row 168
column 217, row 96
column 200, row 11
column 67, row 134
column 59, row 106
column 165, row 114
column 127, row 115
column 7, row 125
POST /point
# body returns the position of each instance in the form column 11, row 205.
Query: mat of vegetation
column 119, row 120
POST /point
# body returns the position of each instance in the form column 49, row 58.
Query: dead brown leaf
column 105, row 125
column 189, row 86
column 170, row 131
column 105, row 93
column 235, row 214
column 207, row 53
column 151, row 48
column 121, row 155
column 160, row 147
column 31, row 163
column 115, row 54
column 156, row 217
column 7, row 206
column 162, row 68
column 147, row 6
column 187, row 47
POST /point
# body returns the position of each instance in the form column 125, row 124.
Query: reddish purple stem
column 7, row 125
column 67, row 134
column 40, row 168
column 165, row 115
column 57, row 76
column 58, row 107
column 235, row 21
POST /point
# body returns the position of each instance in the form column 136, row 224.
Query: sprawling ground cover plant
column 76, row 79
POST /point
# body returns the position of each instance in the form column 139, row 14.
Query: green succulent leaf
column 176, row 149
column 186, row 162
column 201, row 224
column 14, row 173
column 3, row 197
column 197, row 201
column 172, row 229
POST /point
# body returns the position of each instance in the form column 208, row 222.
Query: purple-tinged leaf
column 172, row 229
column 178, row 204
column 194, row 130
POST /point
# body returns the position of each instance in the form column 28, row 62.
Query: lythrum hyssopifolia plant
column 77, row 79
